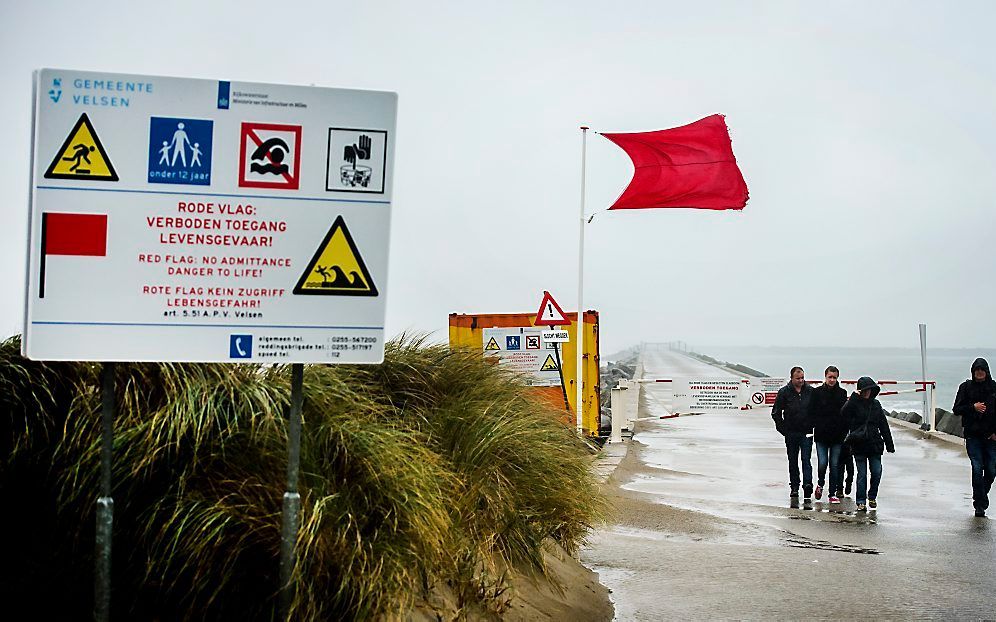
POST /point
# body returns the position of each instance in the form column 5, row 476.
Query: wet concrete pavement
column 704, row 528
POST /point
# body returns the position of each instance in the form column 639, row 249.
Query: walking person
column 793, row 421
column 868, row 435
column 829, row 429
column 976, row 405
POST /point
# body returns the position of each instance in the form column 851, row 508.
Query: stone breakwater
column 944, row 420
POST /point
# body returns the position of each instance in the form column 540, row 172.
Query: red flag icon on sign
column 550, row 313
column 688, row 166
column 71, row 234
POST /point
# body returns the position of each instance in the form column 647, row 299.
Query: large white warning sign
column 705, row 395
column 192, row 220
column 522, row 350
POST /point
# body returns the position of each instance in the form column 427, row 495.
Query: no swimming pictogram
column 270, row 156
column 82, row 156
column 337, row 268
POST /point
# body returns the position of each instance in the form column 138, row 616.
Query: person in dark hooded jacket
column 862, row 408
column 830, row 427
column 976, row 405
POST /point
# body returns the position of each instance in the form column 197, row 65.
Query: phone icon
column 240, row 346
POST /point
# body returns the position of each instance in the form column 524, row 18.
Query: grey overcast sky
column 866, row 133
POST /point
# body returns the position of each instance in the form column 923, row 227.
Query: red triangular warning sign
column 550, row 313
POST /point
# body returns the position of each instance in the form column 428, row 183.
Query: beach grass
column 432, row 470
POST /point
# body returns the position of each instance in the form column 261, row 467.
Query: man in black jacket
column 976, row 405
column 793, row 421
column 829, row 429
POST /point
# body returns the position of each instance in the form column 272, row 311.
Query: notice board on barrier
column 704, row 394
column 175, row 219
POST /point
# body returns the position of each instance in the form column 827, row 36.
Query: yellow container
column 467, row 331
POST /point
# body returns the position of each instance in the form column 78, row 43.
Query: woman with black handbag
column 868, row 437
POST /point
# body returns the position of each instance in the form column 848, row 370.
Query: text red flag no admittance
column 688, row 166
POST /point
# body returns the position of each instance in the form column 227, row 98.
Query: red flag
column 688, row 166
column 74, row 234
column 71, row 234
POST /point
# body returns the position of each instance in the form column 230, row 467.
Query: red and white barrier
column 696, row 395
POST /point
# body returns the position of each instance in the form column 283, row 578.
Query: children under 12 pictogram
column 337, row 269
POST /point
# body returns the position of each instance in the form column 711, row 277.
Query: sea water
column 949, row 367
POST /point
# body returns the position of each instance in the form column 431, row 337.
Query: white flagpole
column 579, row 343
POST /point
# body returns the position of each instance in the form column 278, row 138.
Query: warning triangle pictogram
column 492, row 345
column 549, row 364
column 82, row 156
column 337, row 269
column 550, row 313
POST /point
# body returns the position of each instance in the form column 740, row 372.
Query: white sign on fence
column 764, row 390
column 703, row 395
column 200, row 220
column 521, row 349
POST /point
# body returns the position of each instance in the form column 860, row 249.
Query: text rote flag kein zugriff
column 688, row 166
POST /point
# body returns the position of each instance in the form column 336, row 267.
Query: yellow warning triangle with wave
column 82, row 156
column 337, row 269
column 492, row 345
column 549, row 364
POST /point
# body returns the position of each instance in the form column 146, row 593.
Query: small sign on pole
column 550, row 313
column 556, row 335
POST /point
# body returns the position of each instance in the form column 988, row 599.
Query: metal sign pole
column 579, row 369
column 928, row 416
column 560, row 370
column 105, row 504
column 292, row 500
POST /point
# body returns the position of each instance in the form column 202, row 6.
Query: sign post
column 550, row 314
column 105, row 503
column 928, row 414
column 183, row 220
column 292, row 499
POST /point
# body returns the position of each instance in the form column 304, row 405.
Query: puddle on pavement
column 801, row 542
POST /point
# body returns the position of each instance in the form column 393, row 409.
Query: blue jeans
column 982, row 453
column 862, row 491
column 797, row 443
column 827, row 454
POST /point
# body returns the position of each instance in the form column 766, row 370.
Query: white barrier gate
column 698, row 395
